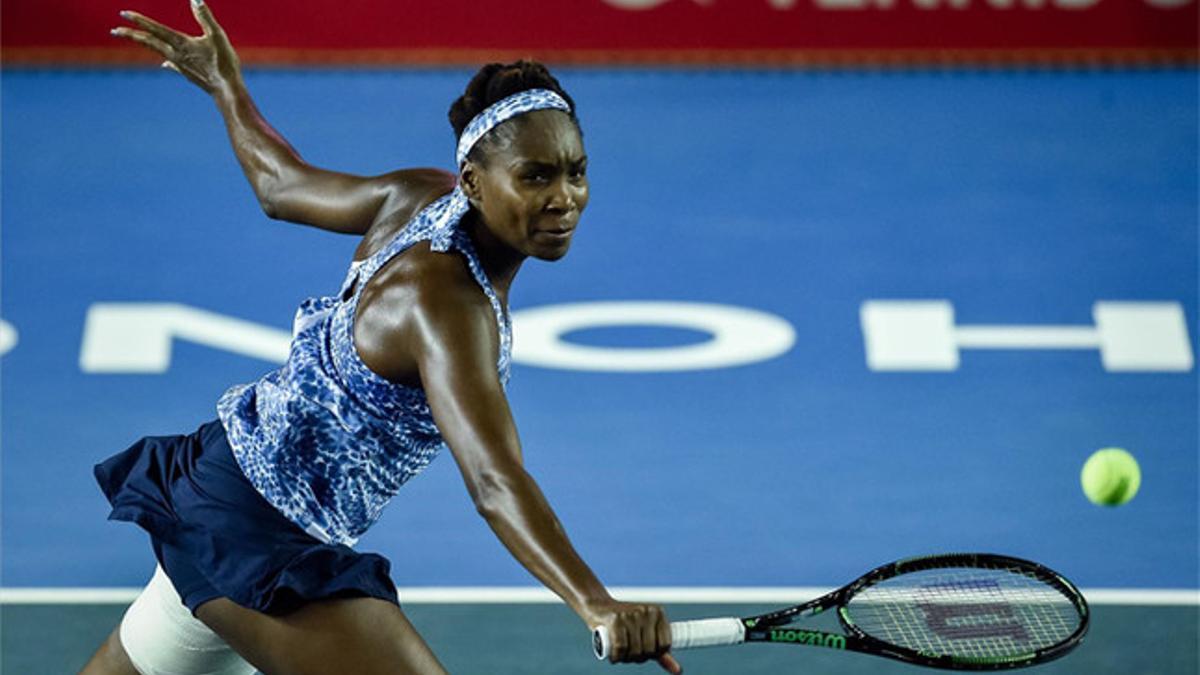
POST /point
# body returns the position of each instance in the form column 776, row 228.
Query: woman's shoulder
column 420, row 292
column 409, row 191
column 422, row 273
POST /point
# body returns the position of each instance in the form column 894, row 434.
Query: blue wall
column 1021, row 197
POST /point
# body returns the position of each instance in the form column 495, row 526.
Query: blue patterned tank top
column 326, row 440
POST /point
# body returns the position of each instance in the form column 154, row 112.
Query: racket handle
column 685, row 635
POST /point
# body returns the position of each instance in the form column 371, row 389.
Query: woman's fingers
column 145, row 38
column 160, row 38
column 640, row 633
column 635, row 651
column 637, row 632
column 649, row 641
column 669, row 663
column 616, row 647
column 205, row 18
column 663, row 629
column 168, row 35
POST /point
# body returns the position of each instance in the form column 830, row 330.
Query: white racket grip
column 685, row 635
column 707, row 633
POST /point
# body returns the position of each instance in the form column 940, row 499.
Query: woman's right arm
column 429, row 313
column 287, row 187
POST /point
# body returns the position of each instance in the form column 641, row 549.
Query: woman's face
column 532, row 185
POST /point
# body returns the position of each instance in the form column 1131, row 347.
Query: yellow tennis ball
column 1110, row 477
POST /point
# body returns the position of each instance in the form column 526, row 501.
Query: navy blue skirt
column 215, row 535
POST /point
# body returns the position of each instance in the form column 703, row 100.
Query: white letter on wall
column 921, row 335
column 135, row 337
column 739, row 336
column 8, row 337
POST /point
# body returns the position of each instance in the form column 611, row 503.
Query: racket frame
column 772, row 626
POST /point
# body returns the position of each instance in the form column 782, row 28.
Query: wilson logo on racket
column 808, row 637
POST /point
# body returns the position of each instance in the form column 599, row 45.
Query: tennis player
column 253, row 516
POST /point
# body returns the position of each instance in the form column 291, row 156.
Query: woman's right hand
column 207, row 60
column 639, row 632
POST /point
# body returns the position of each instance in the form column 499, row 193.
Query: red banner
column 630, row 31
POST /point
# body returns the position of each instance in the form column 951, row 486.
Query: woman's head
column 527, row 177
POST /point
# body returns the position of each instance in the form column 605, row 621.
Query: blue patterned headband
column 504, row 110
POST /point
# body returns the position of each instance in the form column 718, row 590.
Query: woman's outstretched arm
column 287, row 187
column 432, row 315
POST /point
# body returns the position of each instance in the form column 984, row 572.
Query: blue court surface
column 960, row 284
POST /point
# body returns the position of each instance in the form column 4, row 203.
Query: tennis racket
column 962, row 611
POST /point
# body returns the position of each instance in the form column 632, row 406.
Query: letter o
column 8, row 337
column 739, row 336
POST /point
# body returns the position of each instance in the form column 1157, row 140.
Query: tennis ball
column 1110, row 477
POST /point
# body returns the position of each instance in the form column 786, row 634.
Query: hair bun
column 497, row 81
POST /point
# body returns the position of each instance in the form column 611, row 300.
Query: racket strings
column 966, row 613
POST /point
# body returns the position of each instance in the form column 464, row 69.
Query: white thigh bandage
column 162, row 637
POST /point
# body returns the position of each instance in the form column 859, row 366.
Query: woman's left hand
column 208, row 60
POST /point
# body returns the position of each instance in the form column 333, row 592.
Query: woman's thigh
column 356, row 635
